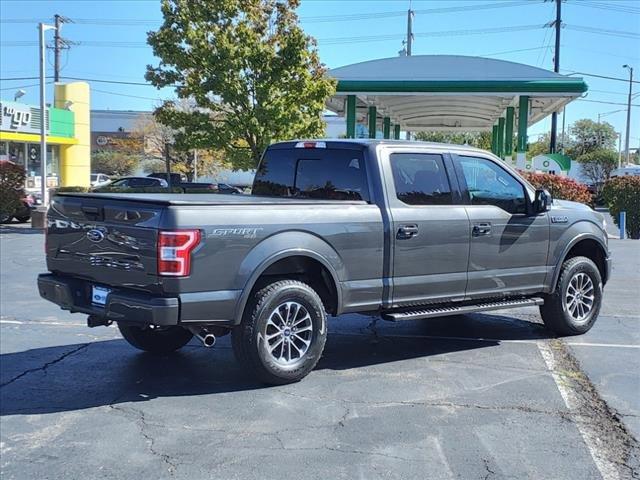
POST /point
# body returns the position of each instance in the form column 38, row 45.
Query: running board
column 441, row 311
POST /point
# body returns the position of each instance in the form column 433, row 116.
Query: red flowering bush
column 563, row 188
column 622, row 194
column 11, row 188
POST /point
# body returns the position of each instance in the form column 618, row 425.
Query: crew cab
column 404, row 230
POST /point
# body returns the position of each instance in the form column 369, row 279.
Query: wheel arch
column 585, row 245
column 272, row 259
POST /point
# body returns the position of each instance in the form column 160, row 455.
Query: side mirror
column 542, row 202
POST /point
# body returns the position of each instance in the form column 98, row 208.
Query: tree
column 254, row 75
column 587, row 136
column 540, row 146
column 597, row 165
column 160, row 140
column 114, row 162
column 475, row 139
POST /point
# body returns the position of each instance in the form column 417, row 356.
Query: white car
column 99, row 179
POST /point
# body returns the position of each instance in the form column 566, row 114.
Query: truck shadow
column 101, row 373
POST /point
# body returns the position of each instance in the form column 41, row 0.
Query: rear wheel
column 573, row 307
column 283, row 332
column 155, row 339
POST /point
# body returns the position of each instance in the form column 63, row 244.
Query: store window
column 17, row 153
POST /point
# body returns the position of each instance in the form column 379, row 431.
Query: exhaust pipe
column 207, row 339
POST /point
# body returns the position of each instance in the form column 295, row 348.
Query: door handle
column 480, row 229
column 407, row 231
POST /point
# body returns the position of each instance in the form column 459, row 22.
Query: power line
column 606, row 103
column 603, row 31
column 124, row 94
column 595, row 75
column 607, row 6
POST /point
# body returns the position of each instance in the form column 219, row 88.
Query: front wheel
column 283, row 332
column 157, row 340
column 573, row 307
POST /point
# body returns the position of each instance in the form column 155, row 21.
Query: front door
column 508, row 255
column 430, row 229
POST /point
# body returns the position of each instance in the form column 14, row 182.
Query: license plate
column 99, row 295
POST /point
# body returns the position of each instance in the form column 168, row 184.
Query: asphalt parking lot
column 468, row 397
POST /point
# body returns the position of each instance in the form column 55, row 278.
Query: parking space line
column 607, row 469
column 608, row 345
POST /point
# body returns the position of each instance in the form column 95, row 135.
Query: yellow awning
column 33, row 138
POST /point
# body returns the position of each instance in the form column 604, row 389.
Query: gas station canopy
column 450, row 92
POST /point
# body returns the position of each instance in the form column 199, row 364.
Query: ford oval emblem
column 95, row 235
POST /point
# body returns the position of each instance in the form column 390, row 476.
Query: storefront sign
column 18, row 117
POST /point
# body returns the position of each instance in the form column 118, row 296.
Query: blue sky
column 582, row 51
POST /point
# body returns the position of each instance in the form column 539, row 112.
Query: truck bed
column 208, row 199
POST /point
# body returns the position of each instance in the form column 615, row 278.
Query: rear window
column 319, row 173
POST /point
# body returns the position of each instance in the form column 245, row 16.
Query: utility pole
column 556, row 68
column 626, row 140
column 59, row 44
column 409, row 31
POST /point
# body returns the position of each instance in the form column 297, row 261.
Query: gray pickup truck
column 404, row 230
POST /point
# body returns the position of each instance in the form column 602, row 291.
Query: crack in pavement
column 520, row 408
column 486, row 467
column 46, row 365
column 143, row 425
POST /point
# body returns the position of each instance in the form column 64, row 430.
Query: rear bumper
column 74, row 295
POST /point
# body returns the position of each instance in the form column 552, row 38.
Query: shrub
column 622, row 194
column 563, row 188
column 11, row 187
column 70, row 190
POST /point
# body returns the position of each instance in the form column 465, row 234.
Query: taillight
column 174, row 251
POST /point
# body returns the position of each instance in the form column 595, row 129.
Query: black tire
column 556, row 313
column 23, row 219
column 156, row 340
column 5, row 218
column 250, row 339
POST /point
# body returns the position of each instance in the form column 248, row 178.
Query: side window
column 120, row 183
column 489, row 184
column 420, row 179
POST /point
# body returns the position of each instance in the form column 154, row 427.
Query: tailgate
column 108, row 241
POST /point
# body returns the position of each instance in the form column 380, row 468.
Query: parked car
column 403, row 230
column 226, row 188
column 180, row 181
column 99, row 179
column 22, row 214
column 132, row 182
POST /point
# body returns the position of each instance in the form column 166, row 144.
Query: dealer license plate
column 99, row 295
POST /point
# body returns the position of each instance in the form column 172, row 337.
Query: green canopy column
column 508, row 135
column 351, row 116
column 396, row 132
column 494, row 139
column 523, row 118
column 500, row 142
column 372, row 121
column 386, row 127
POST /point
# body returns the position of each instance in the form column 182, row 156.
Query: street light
column 18, row 94
column 42, row 27
column 626, row 140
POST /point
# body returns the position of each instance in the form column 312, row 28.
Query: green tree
column 253, row 74
column 475, row 139
column 540, row 146
column 113, row 162
column 587, row 136
column 597, row 165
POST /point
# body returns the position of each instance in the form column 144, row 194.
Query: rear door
column 430, row 228
column 106, row 241
column 508, row 254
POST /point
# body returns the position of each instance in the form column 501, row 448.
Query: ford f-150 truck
column 404, row 230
